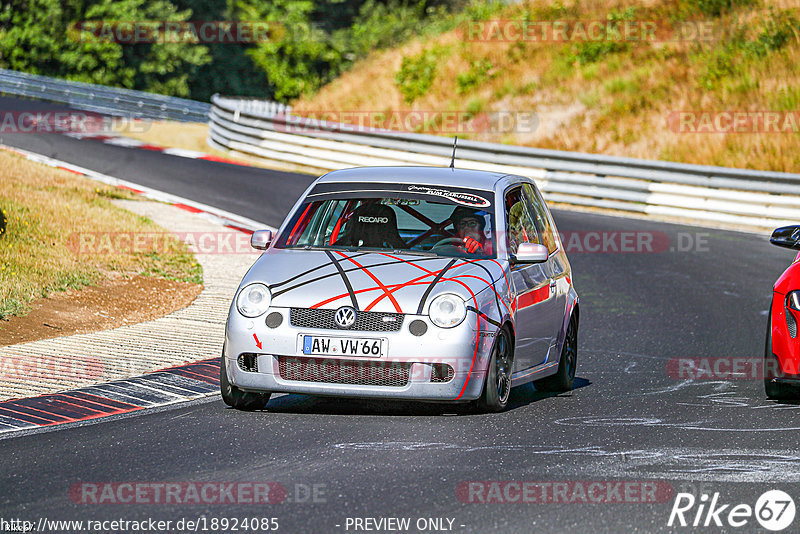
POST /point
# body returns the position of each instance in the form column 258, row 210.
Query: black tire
column 497, row 386
column 565, row 376
column 772, row 368
column 234, row 397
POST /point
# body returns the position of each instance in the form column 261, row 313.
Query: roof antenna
column 453, row 159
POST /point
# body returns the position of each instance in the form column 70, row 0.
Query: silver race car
column 417, row 283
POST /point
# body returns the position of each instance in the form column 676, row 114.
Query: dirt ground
column 115, row 302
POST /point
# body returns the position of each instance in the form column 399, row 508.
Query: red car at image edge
column 782, row 350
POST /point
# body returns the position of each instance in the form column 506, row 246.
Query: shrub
column 779, row 28
column 416, row 75
column 479, row 72
column 715, row 8
column 592, row 51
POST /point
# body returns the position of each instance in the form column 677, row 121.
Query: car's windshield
column 395, row 221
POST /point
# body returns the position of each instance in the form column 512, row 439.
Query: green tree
column 230, row 71
column 40, row 37
column 301, row 59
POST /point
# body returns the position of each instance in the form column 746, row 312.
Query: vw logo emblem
column 345, row 317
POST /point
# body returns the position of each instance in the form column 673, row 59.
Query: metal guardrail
column 268, row 130
column 102, row 99
column 760, row 199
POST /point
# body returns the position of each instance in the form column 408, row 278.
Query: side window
column 520, row 226
column 542, row 220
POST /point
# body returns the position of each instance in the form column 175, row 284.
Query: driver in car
column 469, row 225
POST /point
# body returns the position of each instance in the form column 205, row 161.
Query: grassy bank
column 46, row 209
column 610, row 96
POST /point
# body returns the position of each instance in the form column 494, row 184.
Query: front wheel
column 234, row 397
column 565, row 376
column 497, row 387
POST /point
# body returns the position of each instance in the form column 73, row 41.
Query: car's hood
column 371, row 281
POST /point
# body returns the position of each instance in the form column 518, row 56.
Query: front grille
column 248, row 362
column 791, row 324
column 365, row 321
column 360, row 372
column 442, row 373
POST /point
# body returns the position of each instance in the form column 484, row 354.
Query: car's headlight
column 447, row 310
column 253, row 300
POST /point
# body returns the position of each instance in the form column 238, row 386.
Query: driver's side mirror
column 530, row 253
column 786, row 236
column 261, row 239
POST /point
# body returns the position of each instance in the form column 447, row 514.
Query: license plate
column 344, row 346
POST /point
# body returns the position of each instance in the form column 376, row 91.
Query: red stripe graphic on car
column 374, row 288
column 477, row 338
column 331, row 274
column 453, row 279
column 415, row 282
column 428, row 272
column 504, row 274
column 374, row 279
column 467, row 262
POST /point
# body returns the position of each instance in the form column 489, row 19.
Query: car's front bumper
column 418, row 387
column 455, row 347
column 792, row 382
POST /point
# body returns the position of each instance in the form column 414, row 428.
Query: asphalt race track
column 218, row 184
column 703, row 294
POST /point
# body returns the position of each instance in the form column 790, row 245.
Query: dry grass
column 46, row 210
column 171, row 134
column 188, row 136
column 617, row 103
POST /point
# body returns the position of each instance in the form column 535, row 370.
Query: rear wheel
column 497, row 387
column 234, row 397
column 565, row 376
column 772, row 369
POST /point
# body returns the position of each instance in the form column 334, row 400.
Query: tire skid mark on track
column 699, row 465
column 710, row 425
column 589, row 450
column 167, row 386
column 664, row 463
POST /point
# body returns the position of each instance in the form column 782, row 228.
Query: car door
column 556, row 269
column 529, row 283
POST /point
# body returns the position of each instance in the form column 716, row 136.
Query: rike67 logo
column 774, row 510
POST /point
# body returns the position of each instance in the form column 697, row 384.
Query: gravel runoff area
column 187, row 335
